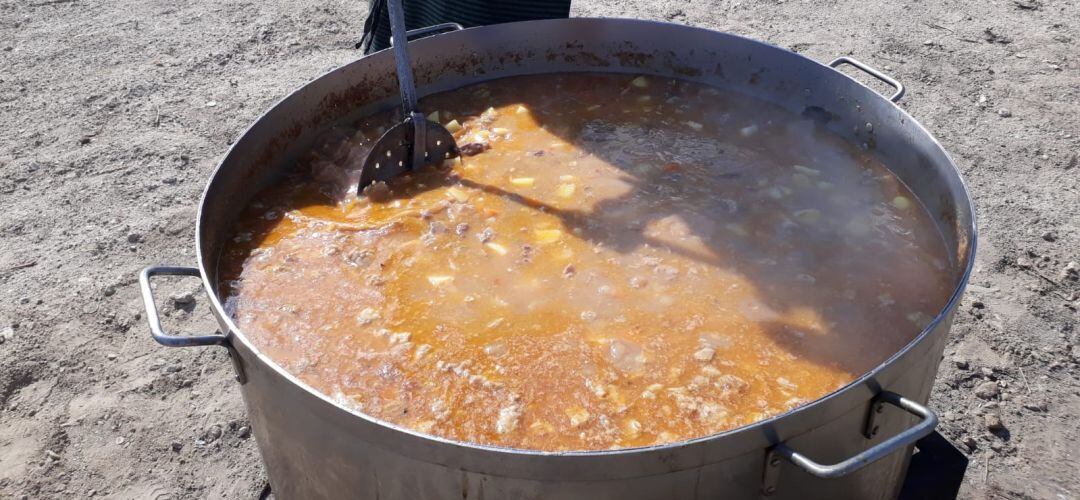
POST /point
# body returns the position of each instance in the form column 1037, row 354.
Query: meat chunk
column 473, row 148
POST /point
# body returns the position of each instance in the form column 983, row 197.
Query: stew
column 615, row 261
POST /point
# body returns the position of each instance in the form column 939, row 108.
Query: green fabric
column 468, row 13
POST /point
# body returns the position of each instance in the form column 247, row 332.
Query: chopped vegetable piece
column 508, row 419
column 500, row 130
column 566, row 190
column 523, row 181
column 458, row 194
column 521, row 109
column 439, row 280
column 367, row 316
column 806, row 170
column 824, row 185
column 705, row 354
column 748, row 130
column 901, row 202
column 578, row 416
column 541, row 427
column 694, row 125
column 640, row 82
column 433, row 116
column 594, row 107
column 567, row 177
column 453, row 126
column 548, row 235
column 495, row 247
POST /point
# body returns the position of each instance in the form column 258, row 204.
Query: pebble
column 244, row 432
column 968, row 441
column 111, row 356
column 1049, row 236
column 52, row 455
column 212, row 434
column 120, row 440
column 134, row 237
column 7, row 334
column 987, row 390
column 1004, row 113
column 182, row 299
column 993, row 422
column 1023, row 262
column 962, row 364
column 176, row 446
column 1072, row 269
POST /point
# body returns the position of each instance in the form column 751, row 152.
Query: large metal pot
column 314, row 448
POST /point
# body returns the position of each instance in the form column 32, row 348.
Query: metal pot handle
column 434, row 28
column 168, row 340
column 156, row 331
column 839, row 61
column 875, row 453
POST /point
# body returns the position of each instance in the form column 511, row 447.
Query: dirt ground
column 112, row 115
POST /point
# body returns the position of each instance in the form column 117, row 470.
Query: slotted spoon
column 416, row 141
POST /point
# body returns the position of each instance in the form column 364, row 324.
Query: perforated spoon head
column 392, row 154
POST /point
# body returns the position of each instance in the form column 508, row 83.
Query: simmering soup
column 615, row 261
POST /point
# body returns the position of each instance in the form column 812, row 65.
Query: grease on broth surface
column 617, row 262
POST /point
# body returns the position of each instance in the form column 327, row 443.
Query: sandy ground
column 112, row 115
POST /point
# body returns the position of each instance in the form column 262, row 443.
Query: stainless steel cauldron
column 314, row 448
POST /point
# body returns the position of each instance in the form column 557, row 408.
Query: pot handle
column 434, row 28
column 840, row 61
column 875, row 453
column 156, row 331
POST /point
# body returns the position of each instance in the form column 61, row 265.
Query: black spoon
column 416, row 141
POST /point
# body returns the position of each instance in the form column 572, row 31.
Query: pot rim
column 630, row 25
